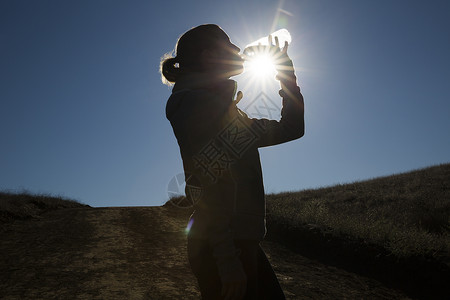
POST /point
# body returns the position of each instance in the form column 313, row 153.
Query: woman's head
column 205, row 48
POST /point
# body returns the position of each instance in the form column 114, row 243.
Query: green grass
column 407, row 214
column 24, row 205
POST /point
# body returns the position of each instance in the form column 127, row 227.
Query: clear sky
column 82, row 107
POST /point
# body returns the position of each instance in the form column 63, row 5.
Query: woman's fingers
column 285, row 47
column 239, row 96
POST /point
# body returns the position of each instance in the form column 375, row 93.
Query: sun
column 261, row 65
column 261, row 55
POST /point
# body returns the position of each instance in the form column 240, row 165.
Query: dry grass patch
column 407, row 214
column 24, row 205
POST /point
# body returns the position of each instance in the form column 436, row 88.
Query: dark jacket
column 219, row 147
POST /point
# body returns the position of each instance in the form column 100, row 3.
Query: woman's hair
column 188, row 51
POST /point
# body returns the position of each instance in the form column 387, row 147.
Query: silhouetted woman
column 219, row 147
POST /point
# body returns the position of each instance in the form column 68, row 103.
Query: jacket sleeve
column 291, row 125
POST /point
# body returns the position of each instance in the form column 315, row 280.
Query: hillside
column 386, row 238
column 20, row 206
column 408, row 214
column 139, row 253
column 399, row 222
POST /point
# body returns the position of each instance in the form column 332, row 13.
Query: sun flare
column 262, row 65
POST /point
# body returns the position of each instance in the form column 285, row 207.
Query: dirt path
column 139, row 253
column 303, row 278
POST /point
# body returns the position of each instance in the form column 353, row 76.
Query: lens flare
column 261, row 66
column 188, row 227
column 261, row 57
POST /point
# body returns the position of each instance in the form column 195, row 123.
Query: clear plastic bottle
column 282, row 34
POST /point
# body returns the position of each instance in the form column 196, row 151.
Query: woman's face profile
column 224, row 58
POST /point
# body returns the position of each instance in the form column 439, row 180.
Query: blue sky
column 82, row 107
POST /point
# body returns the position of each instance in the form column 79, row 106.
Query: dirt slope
column 139, row 253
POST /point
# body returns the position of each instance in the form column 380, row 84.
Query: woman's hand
column 281, row 60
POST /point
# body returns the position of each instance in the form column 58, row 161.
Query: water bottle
column 282, row 34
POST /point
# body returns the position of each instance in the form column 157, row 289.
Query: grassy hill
column 24, row 205
column 407, row 214
column 139, row 253
column 394, row 228
column 382, row 238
